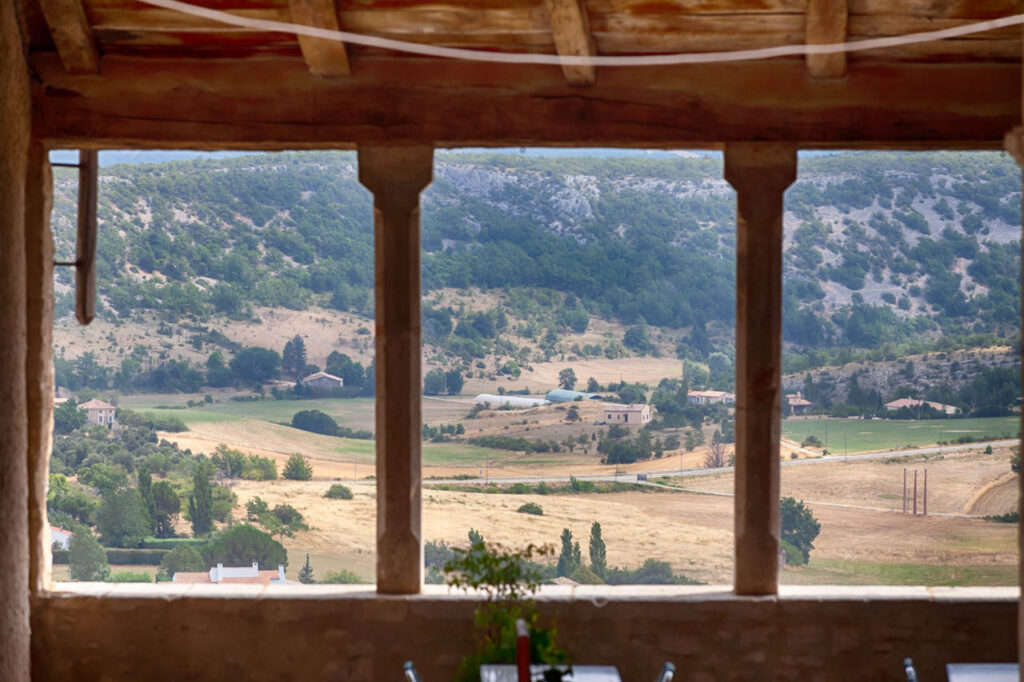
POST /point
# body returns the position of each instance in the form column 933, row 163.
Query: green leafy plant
column 506, row 579
column 531, row 508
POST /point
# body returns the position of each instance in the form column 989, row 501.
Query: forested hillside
column 883, row 251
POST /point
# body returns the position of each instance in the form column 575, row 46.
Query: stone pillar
column 39, row 360
column 1015, row 146
column 760, row 174
column 15, row 134
column 396, row 176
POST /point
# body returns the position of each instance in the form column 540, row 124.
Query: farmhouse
column 60, row 538
column 232, row 575
column 710, row 397
column 627, row 414
column 322, row 381
column 916, row 404
column 798, row 404
column 99, row 413
column 105, row 74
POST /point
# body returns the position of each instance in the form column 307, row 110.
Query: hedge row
column 170, row 543
column 120, row 557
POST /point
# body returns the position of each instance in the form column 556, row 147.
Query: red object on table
column 522, row 650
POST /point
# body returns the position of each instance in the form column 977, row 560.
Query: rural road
column 631, row 477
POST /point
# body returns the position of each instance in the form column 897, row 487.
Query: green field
column 837, row 572
column 874, row 435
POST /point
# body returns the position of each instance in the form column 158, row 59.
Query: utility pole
column 904, row 490
column 915, row 492
column 926, row 492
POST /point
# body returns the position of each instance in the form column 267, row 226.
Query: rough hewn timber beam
column 324, row 57
column 570, row 27
column 142, row 102
column 826, row 24
column 72, row 35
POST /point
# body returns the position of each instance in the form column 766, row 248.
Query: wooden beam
column 570, row 27
column 396, row 176
column 85, row 261
column 324, row 57
column 760, row 174
column 826, row 24
column 147, row 102
column 72, row 35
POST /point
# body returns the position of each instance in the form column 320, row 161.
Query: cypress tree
column 306, row 573
column 598, row 558
column 200, row 502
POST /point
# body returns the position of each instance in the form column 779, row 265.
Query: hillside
column 531, row 259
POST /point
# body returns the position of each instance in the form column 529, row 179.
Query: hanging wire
column 559, row 60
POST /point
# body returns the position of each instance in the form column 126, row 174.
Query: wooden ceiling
column 122, row 73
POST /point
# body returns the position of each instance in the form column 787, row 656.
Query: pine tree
column 293, row 358
column 569, row 559
column 200, row 502
column 87, row 560
column 598, row 557
column 306, row 573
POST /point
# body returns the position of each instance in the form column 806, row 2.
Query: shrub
column 131, row 577
column 531, row 508
column 812, row 441
column 86, row 560
column 136, row 557
column 343, row 577
column 315, row 421
column 182, row 558
column 297, row 468
column 243, row 545
column 799, row 527
column 338, row 492
column 793, row 555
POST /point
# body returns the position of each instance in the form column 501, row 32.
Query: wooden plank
column 85, row 261
column 570, row 28
column 325, row 57
column 826, row 25
column 150, row 102
column 760, row 174
column 72, row 35
column 396, row 176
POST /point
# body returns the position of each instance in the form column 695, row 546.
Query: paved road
column 631, row 477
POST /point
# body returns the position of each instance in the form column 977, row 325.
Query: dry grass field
column 693, row 532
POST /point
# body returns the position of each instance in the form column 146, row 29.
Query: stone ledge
column 598, row 595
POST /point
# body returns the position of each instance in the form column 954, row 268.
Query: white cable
column 558, row 60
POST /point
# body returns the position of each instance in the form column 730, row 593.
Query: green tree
column 67, row 417
column 86, row 559
column 183, row 558
column 306, row 573
column 293, row 358
column 256, row 364
column 242, row 545
column 433, row 382
column 200, row 502
column 453, row 382
column 573, row 415
column 145, row 481
column 570, row 558
column 166, row 506
column 567, row 379
column 799, row 527
column 123, row 520
column 598, row 555
column 297, row 468
column 315, row 421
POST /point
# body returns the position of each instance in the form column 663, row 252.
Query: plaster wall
column 15, row 129
column 709, row 634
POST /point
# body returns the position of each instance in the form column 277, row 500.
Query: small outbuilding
column 99, row 413
column 638, row 414
column 322, row 381
column 60, row 538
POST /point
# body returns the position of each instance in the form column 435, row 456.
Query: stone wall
column 322, row 633
column 15, row 128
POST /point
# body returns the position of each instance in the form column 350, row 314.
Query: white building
column 233, row 575
column 710, row 397
column 60, row 538
column 639, row 414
